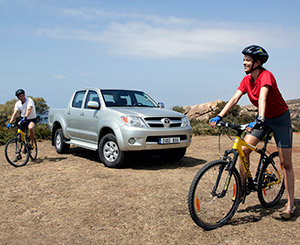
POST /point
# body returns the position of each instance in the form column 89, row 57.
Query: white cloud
column 155, row 36
column 57, row 76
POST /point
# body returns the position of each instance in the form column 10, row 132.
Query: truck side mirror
column 93, row 105
column 161, row 105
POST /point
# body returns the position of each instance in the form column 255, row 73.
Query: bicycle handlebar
column 239, row 127
column 18, row 124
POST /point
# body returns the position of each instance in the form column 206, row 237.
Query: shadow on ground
column 257, row 212
column 141, row 160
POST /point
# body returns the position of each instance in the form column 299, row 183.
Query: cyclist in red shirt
column 261, row 88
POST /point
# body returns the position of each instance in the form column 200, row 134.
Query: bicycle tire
column 33, row 152
column 270, row 195
column 13, row 148
column 206, row 210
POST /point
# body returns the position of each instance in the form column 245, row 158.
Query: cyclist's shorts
column 26, row 123
column 282, row 130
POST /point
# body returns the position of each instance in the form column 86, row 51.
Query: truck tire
column 109, row 152
column 59, row 142
column 172, row 155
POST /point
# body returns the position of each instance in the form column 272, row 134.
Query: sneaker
column 18, row 157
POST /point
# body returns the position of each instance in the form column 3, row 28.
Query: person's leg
column 252, row 140
column 285, row 155
column 31, row 126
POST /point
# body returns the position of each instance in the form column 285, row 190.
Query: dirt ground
column 74, row 199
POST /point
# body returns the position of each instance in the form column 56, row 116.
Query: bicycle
column 18, row 149
column 216, row 191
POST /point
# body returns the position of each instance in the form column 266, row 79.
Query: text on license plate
column 173, row 140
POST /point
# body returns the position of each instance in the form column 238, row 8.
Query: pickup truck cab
column 114, row 122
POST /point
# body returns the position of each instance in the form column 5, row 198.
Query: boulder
column 201, row 111
column 204, row 111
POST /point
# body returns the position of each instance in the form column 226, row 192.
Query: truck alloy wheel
column 59, row 142
column 109, row 152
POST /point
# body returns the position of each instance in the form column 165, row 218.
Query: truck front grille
column 163, row 122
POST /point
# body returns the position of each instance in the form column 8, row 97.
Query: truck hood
column 146, row 112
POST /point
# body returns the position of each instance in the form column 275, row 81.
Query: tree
column 7, row 109
column 41, row 107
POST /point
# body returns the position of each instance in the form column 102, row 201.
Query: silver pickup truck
column 114, row 122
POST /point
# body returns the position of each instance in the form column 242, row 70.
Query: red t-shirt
column 275, row 104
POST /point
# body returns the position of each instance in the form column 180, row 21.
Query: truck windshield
column 127, row 98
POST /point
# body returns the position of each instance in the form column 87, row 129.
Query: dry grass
column 74, row 199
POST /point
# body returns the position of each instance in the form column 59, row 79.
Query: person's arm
column 28, row 111
column 262, row 101
column 230, row 104
column 13, row 116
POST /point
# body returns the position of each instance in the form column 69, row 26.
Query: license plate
column 173, row 140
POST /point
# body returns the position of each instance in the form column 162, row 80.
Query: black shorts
column 282, row 130
column 25, row 124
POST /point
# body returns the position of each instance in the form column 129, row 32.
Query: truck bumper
column 136, row 139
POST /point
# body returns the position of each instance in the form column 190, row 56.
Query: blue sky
column 179, row 52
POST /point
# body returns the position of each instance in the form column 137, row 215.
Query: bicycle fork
column 226, row 167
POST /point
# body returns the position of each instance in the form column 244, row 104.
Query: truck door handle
column 69, row 113
column 82, row 114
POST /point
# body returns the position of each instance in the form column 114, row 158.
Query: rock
column 204, row 111
column 201, row 111
column 294, row 106
column 248, row 110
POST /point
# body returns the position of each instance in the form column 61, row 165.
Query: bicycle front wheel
column 33, row 151
column 271, row 183
column 214, row 195
column 16, row 153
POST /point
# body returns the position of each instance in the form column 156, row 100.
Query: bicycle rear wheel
column 210, row 206
column 33, row 151
column 271, row 183
column 16, row 153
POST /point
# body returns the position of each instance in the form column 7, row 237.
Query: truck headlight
column 134, row 121
column 185, row 122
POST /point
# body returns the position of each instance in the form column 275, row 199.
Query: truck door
column 74, row 114
column 90, row 118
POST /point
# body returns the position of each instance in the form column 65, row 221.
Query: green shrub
column 178, row 109
column 6, row 135
column 41, row 132
column 296, row 126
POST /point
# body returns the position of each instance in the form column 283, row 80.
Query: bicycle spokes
column 210, row 204
column 271, row 184
column 16, row 153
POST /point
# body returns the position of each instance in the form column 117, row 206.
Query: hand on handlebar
column 213, row 122
column 8, row 125
column 23, row 119
column 254, row 125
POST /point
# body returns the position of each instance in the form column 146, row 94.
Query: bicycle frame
column 238, row 152
column 23, row 136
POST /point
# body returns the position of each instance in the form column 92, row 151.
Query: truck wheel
column 109, row 152
column 172, row 155
column 59, row 142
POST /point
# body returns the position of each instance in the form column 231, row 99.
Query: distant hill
column 204, row 111
column 294, row 106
